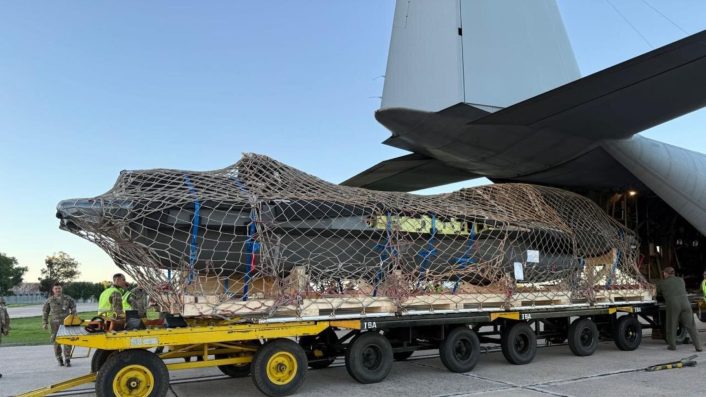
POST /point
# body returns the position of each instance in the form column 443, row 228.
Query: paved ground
column 554, row 372
column 36, row 310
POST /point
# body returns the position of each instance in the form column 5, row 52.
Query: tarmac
column 554, row 372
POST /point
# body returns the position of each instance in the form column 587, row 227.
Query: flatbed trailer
column 277, row 352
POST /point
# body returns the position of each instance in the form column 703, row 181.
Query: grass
column 28, row 331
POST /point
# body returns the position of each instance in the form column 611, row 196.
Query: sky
column 88, row 89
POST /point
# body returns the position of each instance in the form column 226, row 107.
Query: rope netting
column 261, row 237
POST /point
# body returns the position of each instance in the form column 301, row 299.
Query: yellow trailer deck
column 132, row 363
column 277, row 354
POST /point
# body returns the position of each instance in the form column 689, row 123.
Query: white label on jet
column 519, row 271
column 532, row 256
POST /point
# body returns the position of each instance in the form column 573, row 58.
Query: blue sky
column 88, row 89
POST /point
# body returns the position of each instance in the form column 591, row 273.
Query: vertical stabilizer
column 488, row 53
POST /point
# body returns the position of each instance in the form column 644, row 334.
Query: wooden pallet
column 340, row 305
column 624, row 295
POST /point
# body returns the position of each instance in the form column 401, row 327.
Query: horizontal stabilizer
column 408, row 173
column 622, row 100
column 547, row 136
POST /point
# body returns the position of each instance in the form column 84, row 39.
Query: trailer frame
column 276, row 352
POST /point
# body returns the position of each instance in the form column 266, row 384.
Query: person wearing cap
column 55, row 310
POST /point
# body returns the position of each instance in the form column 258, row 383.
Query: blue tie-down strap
column 614, row 267
column 196, row 220
column 465, row 260
column 470, row 242
column 252, row 248
column 461, row 263
column 426, row 256
column 386, row 251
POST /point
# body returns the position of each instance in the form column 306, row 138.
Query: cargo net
column 261, row 238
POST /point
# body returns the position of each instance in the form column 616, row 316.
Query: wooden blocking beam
column 210, row 285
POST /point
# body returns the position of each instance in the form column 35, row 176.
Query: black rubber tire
column 460, row 351
column 325, row 341
column 627, row 333
column 140, row 360
column 277, row 349
column 234, row 370
column 369, row 357
column 401, row 356
column 519, row 343
column 682, row 336
column 98, row 359
column 583, row 337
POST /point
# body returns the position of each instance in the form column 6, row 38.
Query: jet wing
column 555, row 131
column 408, row 173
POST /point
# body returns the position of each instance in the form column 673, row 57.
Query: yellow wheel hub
column 133, row 380
column 282, row 368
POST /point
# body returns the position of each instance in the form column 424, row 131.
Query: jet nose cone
column 76, row 207
column 93, row 211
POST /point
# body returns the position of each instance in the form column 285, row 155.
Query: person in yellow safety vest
column 111, row 302
column 703, row 286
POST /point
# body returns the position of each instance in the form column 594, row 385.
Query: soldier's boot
column 60, row 361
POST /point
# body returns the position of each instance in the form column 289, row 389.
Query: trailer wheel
column 682, row 336
column 233, row 370
column 320, row 349
column 133, row 373
column 460, row 351
column 99, row 358
column 369, row 357
column 627, row 333
column 519, row 343
column 401, row 356
column 279, row 367
column 236, row 370
column 583, row 337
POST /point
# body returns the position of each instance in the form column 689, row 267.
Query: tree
column 10, row 273
column 60, row 268
column 83, row 289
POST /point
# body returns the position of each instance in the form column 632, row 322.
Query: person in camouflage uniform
column 137, row 300
column 111, row 303
column 678, row 308
column 4, row 320
column 55, row 310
